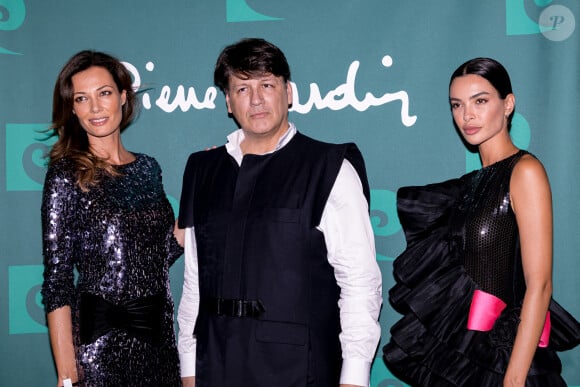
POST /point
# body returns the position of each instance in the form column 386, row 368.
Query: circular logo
column 557, row 23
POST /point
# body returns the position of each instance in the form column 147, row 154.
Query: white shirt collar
column 235, row 139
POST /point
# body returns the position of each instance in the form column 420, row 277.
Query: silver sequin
column 118, row 237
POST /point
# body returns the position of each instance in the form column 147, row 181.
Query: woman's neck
column 500, row 148
column 113, row 152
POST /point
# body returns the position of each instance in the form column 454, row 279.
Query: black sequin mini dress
column 107, row 254
column 462, row 238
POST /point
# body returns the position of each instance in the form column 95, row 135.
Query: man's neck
column 259, row 145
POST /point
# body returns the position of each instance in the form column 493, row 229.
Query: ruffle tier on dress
column 430, row 345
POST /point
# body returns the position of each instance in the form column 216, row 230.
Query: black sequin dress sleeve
column 117, row 241
column 59, row 206
column 462, row 236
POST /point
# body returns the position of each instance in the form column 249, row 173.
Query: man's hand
column 188, row 382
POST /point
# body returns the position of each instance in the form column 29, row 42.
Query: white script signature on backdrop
column 341, row 97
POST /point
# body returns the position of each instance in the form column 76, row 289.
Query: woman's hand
column 179, row 234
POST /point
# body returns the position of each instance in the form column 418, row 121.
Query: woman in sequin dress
column 105, row 214
column 475, row 281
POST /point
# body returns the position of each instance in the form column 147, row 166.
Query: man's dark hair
column 249, row 58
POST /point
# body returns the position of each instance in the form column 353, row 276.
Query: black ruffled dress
column 462, row 236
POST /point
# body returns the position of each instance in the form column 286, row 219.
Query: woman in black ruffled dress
column 475, row 281
column 105, row 214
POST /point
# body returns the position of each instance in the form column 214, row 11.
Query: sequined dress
column 461, row 236
column 119, row 238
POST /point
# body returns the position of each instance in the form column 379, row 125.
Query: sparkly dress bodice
column 118, row 236
column 489, row 231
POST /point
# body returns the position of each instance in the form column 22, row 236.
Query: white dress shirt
column 350, row 243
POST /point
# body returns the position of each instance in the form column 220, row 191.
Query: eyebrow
column 247, row 81
column 471, row 97
column 99, row 88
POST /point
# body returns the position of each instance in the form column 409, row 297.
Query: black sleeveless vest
column 255, row 229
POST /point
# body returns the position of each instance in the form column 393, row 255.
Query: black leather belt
column 233, row 308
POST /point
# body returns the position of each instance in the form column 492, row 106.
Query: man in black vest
column 281, row 284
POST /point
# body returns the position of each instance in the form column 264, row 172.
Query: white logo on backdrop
column 341, row 97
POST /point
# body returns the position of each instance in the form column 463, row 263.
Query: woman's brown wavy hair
column 72, row 142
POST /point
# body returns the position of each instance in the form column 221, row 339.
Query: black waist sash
column 140, row 318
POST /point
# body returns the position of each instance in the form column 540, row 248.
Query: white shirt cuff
column 355, row 371
column 187, row 364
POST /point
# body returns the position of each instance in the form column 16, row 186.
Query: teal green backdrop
column 370, row 71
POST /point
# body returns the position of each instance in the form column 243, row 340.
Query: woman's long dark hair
column 72, row 140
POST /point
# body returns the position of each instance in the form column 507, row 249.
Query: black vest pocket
column 282, row 215
column 281, row 332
